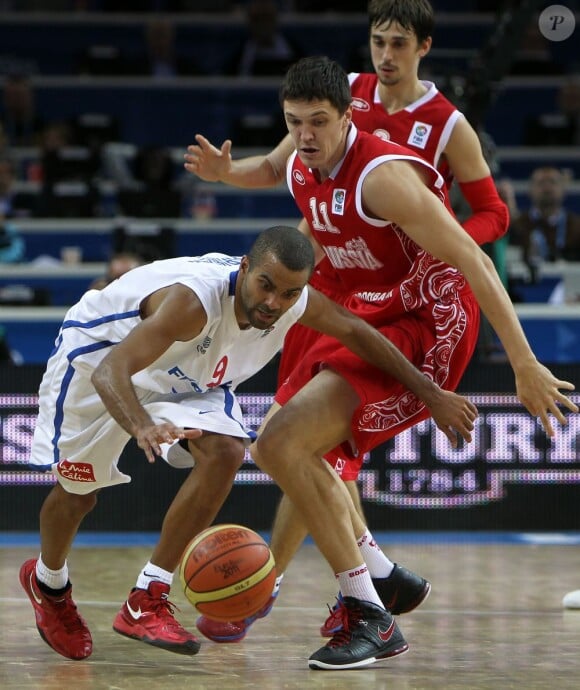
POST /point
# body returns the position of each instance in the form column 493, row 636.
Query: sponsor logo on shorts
column 368, row 296
column 339, row 466
column 76, row 471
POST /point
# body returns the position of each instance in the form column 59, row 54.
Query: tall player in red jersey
column 396, row 105
column 379, row 213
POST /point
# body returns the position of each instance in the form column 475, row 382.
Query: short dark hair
column 316, row 78
column 292, row 248
column 412, row 15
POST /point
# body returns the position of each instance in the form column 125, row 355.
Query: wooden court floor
column 493, row 620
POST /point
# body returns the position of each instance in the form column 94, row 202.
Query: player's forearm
column 253, row 172
column 118, row 395
column 369, row 344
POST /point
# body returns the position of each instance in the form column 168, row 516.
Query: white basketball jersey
column 222, row 354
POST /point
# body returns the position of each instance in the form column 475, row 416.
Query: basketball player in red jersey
column 396, row 105
column 373, row 206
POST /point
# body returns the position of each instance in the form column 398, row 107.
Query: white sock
column 378, row 563
column 277, row 584
column 153, row 573
column 55, row 579
column 357, row 583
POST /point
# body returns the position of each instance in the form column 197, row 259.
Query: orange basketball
column 228, row 572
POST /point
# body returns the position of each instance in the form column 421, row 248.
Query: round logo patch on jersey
column 299, row 177
column 382, row 134
column 360, row 104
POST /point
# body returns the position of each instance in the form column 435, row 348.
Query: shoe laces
column 161, row 606
column 334, row 613
column 165, row 609
column 348, row 618
column 68, row 615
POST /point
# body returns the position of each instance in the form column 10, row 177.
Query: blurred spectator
column 266, row 51
column 507, row 192
column 150, row 241
column 118, row 265
column 150, row 192
column 13, row 204
column 55, row 135
column 22, row 124
column 547, row 231
column 12, row 247
column 534, row 56
column 560, row 128
column 68, row 174
column 93, row 130
column 162, row 60
column 154, row 167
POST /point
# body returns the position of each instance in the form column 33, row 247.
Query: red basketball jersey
column 423, row 126
column 367, row 254
column 420, row 303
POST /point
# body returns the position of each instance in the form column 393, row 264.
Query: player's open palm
column 206, row 161
column 149, row 438
column 539, row 391
column 454, row 415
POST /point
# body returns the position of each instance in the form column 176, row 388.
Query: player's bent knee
column 271, row 451
column 79, row 504
column 225, row 452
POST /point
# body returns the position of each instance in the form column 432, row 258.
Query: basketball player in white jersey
column 393, row 103
column 157, row 355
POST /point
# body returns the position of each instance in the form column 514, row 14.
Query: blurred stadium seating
column 103, row 103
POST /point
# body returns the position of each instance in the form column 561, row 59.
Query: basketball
column 228, row 572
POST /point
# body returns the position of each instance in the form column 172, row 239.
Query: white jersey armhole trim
column 446, row 134
column 289, row 166
column 371, row 165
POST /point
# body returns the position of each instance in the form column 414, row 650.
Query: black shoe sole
column 415, row 603
column 316, row 665
column 188, row 649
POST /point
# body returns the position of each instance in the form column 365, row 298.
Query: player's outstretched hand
column 206, row 161
column 150, row 437
column 454, row 415
column 539, row 391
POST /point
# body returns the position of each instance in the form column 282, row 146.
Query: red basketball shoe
column 147, row 615
column 57, row 619
column 231, row 631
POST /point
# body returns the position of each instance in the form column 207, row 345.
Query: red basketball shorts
column 439, row 339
